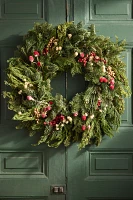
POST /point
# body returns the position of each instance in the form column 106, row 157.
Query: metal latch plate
column 58, row 189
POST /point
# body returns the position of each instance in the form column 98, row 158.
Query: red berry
column 36, row 53
column 43, row 115
column 97, row 58
column 48, row 108
column 105, row 61
column 83, row 117
column 31, row 58
column 51, row 102
column 82, row 55
column 80, row 60
column 105, row 80
column 112, row 81
column 53, row 123
column 99, row 103
column 75, row 114
column 38, row 64
column 92, row 53
column 45, row 51
column 85, row 64
column 111, row 87
column 29, row 98
column 101, row 79
column 83, row 127
column 44, row 109
column 50, row 123
column 62, row 117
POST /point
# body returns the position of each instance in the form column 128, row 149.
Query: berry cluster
column 32, row 58
column 42, row 113
column 83, row 58
column 57, row 120
column 105, row 80
column 84, row 127
column 111, row 84
column 84, row 118
column 45, row 110
column 45, row 51
column 90, row 57
column 99, row 102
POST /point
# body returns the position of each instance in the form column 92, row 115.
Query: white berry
column 19, row 112
column 92, row 116
column 76, row 54
column 20, row 92
column 60, row 48
column 69, row 35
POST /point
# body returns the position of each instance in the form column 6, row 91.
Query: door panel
column 105, row 172
column 26, row 171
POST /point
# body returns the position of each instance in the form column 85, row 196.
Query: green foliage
column 47, row 51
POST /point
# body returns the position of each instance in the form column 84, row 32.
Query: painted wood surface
column 98, row 173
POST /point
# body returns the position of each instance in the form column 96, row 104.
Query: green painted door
column 26, row 171
column 106, row 171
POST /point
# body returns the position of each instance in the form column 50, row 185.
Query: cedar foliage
column 89, row 115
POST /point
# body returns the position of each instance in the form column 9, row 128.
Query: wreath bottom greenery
column 47, row 51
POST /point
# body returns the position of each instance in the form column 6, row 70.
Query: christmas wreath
column 47, row 51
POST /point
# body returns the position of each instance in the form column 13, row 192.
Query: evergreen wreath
column 47, row 51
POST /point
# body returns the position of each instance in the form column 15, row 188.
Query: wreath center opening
column 67, row 85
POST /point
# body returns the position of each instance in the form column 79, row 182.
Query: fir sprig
column 47, row 51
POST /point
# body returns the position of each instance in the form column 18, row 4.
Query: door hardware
column 58, row 189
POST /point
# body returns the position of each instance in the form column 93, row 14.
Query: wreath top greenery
column 46, row 51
